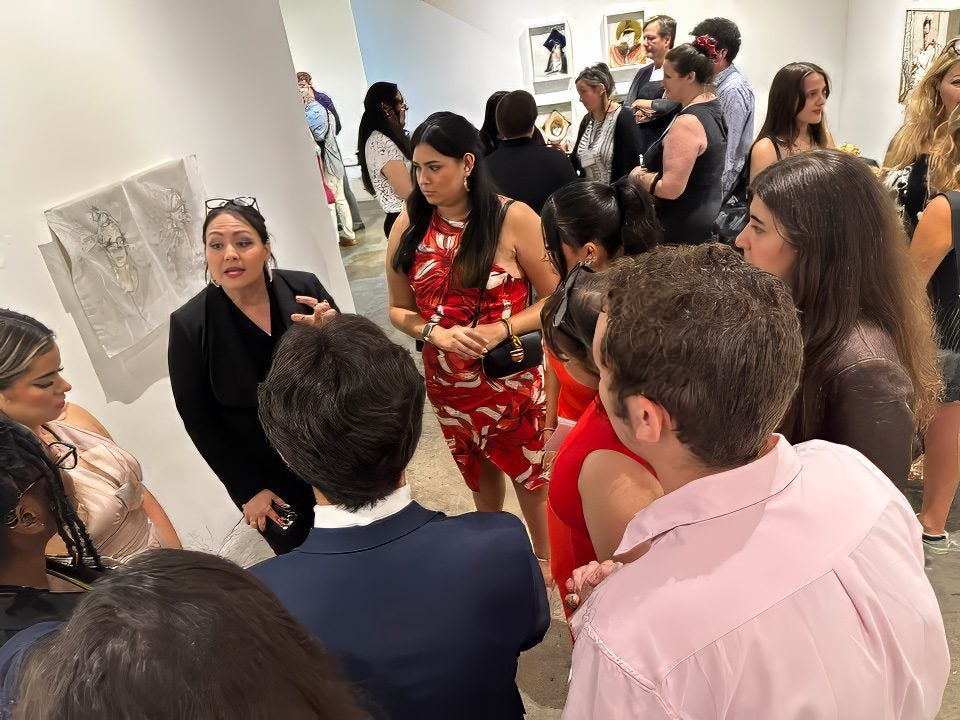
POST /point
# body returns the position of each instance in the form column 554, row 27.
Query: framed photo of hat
column 623, row 40
column 550, row 51
column 555, row 122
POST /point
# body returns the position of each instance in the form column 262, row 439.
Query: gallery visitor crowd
column 706, row 360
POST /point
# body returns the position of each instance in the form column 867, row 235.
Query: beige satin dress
column 109, row 491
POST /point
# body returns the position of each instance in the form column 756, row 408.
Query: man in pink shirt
column 780, row 582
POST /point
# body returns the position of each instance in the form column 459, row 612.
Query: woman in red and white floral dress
column 452, row 240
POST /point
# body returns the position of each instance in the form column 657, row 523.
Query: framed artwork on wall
column 925, row 34
column 623, row 40
column 555, row 121
column 550, row 51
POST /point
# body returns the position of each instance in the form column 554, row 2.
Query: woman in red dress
column 597, row 485
column 592, row 223
column 456, row 237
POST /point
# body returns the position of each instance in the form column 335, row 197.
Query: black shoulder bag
column 518, row 352
column 735, row 208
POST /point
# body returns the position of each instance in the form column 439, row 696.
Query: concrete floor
column 436, row 483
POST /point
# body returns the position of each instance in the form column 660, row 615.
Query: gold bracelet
column 509, row 327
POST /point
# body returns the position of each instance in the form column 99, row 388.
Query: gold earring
column 465, row 186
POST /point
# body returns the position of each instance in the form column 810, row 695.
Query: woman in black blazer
column 221, row 345
column 608, row 143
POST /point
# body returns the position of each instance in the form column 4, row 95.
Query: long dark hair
column 619, row 217
column 194, row 627
column 786, row 100
column 853, row 266
column 376, row 118
column 452, row 135
column 489, row 134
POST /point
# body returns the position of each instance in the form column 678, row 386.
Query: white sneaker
column 941, row 545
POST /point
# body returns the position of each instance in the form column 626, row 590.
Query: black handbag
column 518, row 352
column 735, row 208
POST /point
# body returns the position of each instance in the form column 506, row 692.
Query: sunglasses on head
column 952, row 46
column 242, row 201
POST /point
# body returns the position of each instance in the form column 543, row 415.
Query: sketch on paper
column 623, row 39
column 549, row 51
column 925, row 34
column 134, row 251
column 556, row 123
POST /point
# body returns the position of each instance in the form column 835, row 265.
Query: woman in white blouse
column 384, row 149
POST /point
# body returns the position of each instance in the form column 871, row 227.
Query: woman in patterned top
column 457, row 237
column 608, row 143
column 384, row 151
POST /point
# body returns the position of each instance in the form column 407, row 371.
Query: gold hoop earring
column 465, row 186
column 214, row 282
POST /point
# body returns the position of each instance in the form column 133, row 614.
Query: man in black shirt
column 523, row 168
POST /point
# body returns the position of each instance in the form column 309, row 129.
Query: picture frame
column 555, row 121
column 925, row 34
column 622, row 40
column 550, row 52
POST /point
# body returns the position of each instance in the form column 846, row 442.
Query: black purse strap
column 501, row 216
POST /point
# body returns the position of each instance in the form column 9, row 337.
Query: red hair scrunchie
column 706, row 45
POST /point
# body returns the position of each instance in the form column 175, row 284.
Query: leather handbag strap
column 502, row 215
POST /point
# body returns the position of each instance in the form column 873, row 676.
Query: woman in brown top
column 822, row 223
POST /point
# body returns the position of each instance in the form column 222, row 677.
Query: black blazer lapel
column 233, row 378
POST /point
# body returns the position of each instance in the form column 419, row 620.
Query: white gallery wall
column 96, row 91
column 452, row 54
column 323, row 42
column 870, row 108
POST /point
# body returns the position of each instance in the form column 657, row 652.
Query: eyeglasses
column 64, row 455
column 242, row 201
column 567, row 288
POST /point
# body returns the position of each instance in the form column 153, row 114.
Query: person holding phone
column 220, row 348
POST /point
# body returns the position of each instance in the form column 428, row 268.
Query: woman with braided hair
column 104, row 481
column 33, row 508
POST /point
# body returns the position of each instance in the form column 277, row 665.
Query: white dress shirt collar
column 337, row 516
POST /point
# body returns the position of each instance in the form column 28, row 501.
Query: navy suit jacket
column 426, row 613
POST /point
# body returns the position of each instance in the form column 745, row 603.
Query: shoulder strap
column 501, row 216
column 776, row 148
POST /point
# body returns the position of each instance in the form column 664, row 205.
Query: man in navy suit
column 427, row 613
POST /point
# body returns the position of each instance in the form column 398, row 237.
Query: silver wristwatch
column 427, row 329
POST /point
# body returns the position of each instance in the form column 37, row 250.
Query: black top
column 217, row 357
column 22, row 607
column 626, row 145
column 689, row 219
column 527, row 171
column 913, row 196
column 643, row 88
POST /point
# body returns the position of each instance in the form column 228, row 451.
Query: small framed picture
column 550, row 51
column 623, row 40
column 555, row 121
column 925, row 34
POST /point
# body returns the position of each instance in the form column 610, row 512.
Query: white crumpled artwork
column 135, row 250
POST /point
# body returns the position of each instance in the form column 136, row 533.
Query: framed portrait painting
column 623, row 40
column 925, row 34
column 555, row 122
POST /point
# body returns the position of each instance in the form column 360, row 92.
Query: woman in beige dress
column 103, row 480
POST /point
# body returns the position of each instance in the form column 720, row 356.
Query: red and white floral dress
column 500, row 419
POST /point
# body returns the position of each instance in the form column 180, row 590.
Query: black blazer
column 626, row 145
column 528, row 171
column 426, row 613
column 215, row 389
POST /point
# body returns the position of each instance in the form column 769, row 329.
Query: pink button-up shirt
column 792, row 587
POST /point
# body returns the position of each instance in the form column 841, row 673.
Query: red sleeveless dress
column 500, row 419
column 570, row 545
